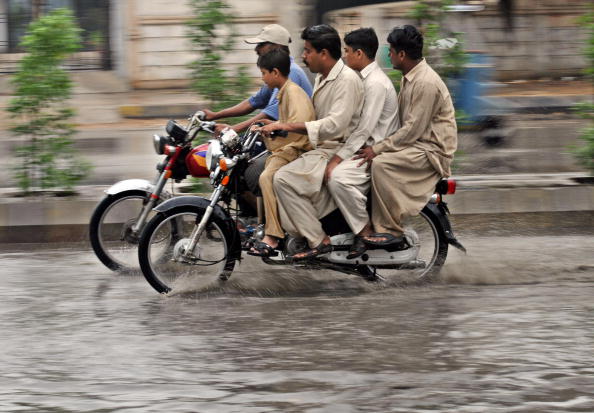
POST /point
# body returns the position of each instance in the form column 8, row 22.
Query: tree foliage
column 448, row 60
column 42, row 87
column 585, row 153
column 212, row 35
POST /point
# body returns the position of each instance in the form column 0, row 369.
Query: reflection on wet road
column 510, row 329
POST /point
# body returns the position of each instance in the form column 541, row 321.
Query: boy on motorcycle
column 271, row 37
column 294, row 106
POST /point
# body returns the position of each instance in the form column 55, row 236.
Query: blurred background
column 517, row 70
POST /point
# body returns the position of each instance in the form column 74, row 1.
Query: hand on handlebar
column 208, row 114
column 219, row 128
column 273, row 129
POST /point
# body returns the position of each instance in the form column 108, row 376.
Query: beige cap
column 273, row 33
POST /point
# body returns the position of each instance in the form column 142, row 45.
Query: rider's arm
column 246, row 124
column 293, row 127
column 375, row 99
column 266, row 100
column 425, row 99
column 240, row 109
column 347, row 104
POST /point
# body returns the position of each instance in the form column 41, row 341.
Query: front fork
column 149, row 205
column 199, row 229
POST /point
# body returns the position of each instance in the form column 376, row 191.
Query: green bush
column 585, row 153
column 42, row 87
column 212, row 35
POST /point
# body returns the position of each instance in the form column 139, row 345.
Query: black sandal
column 262, row 249
column 357, row 249
column 314, row 252
column 389, row 239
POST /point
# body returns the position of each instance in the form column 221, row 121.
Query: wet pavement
column 510, row 328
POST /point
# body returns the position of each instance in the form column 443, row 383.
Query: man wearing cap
column 271, row 37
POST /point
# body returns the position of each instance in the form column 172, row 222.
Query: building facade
column 144, row 43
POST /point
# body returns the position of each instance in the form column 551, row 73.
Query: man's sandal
column 357, row 249
column 382, row 239
column 314, row 252
column 262, row 249
column 386, row 241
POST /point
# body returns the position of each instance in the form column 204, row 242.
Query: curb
column 475, row 205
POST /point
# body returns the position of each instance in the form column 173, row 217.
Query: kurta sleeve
column 422, row 107
column 373, row 104
column 349, row 99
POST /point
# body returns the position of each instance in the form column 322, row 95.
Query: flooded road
column 509, row 329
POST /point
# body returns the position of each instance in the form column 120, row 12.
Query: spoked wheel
column 166, row 261
column 428, row 249
column 110, row 230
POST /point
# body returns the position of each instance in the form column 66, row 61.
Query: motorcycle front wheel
column 164, row 257
column 110, row 230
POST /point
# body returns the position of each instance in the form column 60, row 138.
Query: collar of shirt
column 410, row 76
column 368, row 69
column 281, row 92
column 334, row 72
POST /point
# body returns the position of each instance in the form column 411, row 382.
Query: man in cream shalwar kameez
column 302, row 195
column 349, row 182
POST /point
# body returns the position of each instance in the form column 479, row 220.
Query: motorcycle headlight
column 159, row 142
column 213, row 154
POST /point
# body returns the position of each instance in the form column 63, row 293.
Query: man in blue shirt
column 271, row 37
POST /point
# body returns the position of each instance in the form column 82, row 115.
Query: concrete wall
column 150, row 49
column 546, row 40
column 156, row 52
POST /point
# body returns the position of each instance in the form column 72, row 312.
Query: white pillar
column 3, row 27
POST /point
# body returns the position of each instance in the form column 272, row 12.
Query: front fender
column 438, row 215
column 136, row 185
column 196, row 202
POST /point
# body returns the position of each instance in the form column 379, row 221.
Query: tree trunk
column 37, row 8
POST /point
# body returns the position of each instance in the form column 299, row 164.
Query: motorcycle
column 121, row 215
column 191, row 240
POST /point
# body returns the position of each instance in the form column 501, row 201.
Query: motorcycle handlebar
column 279, row 134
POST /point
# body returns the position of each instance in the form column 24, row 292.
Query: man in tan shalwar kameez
column 406, row 166
column 303, row 198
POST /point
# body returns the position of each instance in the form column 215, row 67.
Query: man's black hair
column 364, row 39
column 275, row 59
column 409, row 39
column 322, row 37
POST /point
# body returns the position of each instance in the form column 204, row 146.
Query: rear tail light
column 446, row 187
column 451, row 187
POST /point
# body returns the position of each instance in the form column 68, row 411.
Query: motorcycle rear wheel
column 109, row 230
column 433, row 251
column 161, row 258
